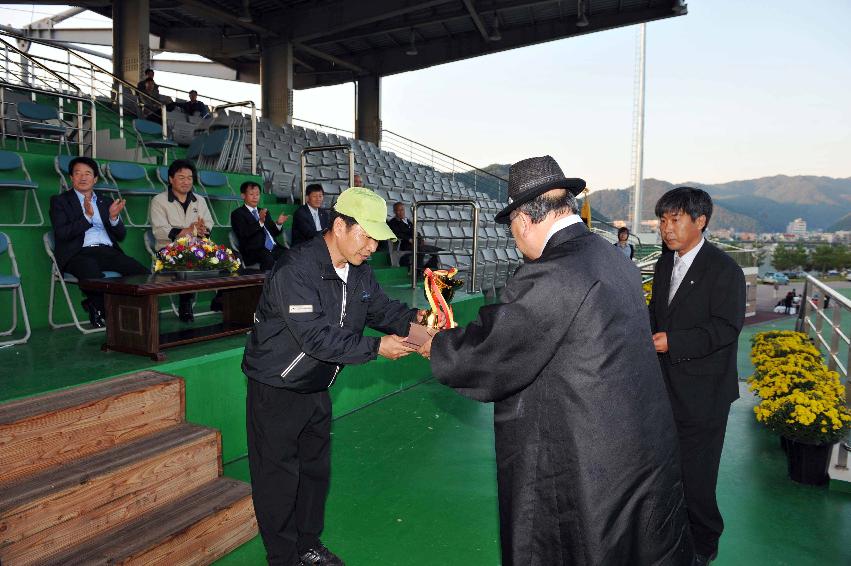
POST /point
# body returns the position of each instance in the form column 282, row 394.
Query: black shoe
column 184, row 312
column 96, row 317
column 320, row 556
column 703, row 560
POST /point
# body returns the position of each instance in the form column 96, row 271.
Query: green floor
column 413, row 484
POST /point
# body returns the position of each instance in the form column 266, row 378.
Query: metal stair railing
column 85, row 78
column 473, row 177
column 828, row 334
column 34, row 77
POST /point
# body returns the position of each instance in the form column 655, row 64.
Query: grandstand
column 413, row 475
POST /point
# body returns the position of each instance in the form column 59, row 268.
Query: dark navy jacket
column 309, row 324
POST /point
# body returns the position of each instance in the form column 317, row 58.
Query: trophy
column 439, row 288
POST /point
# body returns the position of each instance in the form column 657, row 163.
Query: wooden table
column 132, row 309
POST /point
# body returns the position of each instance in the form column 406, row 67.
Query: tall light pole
column 638, row 130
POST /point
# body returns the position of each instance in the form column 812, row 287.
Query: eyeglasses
column 514, row 214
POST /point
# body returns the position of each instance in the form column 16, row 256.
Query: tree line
column 823, row 257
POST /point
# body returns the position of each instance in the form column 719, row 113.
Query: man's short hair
column 148, row 70
column 623, row 229
column 195, row 91
column 179, row 164
column 687, row 200
column 395, row 204
column 243, row 188
column 88, row 161
column 313, row 187
column 557, row 200
column 333, row 215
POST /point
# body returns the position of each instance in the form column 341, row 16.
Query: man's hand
column 115, row 208
column 422, row 314
column 660, row 341
column 425, row 349
column 201, row 227
column 87, row 205
column 282, row 218
column 262, row 212
column 393, row 347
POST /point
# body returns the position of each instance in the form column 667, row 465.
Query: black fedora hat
column 531, row 178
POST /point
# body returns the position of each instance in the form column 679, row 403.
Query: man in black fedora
column 586, row 449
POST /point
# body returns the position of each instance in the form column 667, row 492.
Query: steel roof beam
column 468, row 4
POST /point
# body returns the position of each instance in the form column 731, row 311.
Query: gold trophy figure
column 439, row 289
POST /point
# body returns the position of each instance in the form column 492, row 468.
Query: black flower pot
column 808, row 463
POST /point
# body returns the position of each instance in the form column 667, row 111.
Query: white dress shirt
column 314, row 212
column 682, row 263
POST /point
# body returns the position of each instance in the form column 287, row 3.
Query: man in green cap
column 309, row 324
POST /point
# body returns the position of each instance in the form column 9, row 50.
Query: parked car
column 833, row 272
column 848, row 277
column 771, row 278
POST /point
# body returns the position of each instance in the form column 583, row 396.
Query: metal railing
column 473, row 177
column 828, row 333
column 79, row 116
column 312, row 149
column 474, row 254
column 325, row 128
column 63, row 70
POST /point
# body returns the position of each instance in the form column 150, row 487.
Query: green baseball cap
column 369, row 209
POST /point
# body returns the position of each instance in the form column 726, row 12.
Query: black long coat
column 586, row 449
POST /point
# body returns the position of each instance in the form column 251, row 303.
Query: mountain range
column 766, row 204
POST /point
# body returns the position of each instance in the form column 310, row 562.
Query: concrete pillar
column 368, row 120
column 276, row 81
column 131, row 24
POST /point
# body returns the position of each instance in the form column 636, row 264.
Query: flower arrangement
column 191, row 253
column 647, row 287
column 801, row 399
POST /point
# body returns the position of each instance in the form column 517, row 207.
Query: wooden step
column 197, row 529
column 47, row 430
column 58, row 508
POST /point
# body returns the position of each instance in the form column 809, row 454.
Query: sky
column 734, row 90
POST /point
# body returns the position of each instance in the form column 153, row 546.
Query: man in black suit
column 255, row 230
column 310, row 219
column 87, row 228
column 696, row 315
column 404, row 232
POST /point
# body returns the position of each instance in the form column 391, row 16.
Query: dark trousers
column 289, row 456
column 266, row 258
column 91, row 262
column 700, row 456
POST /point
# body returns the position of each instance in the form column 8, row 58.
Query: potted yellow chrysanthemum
column 801, row 400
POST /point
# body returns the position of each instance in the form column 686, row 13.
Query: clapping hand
column 87, row 205
column 262, row 212
column 201, row 227
column 281, row 219
column 115, row 208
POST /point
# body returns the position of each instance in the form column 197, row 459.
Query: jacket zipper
column 342, row 316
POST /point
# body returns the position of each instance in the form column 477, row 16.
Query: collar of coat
column 564, row 235
column 694, row 273
column 190, row 195
column 320, row 252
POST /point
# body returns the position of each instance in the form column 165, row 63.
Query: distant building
column 797, row 227
column 747, row 236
